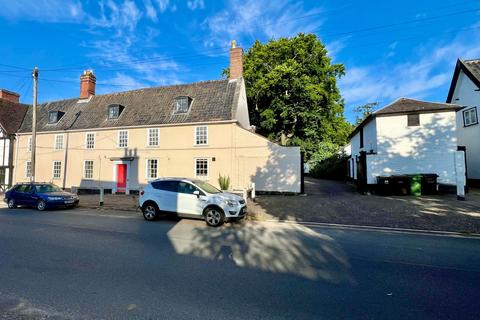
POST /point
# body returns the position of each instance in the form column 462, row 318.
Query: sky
column 390, row 49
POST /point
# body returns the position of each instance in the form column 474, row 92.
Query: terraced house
column 119, row 141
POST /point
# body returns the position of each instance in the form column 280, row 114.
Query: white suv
column 192, row 199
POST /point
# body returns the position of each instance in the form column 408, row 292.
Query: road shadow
column 275, row 248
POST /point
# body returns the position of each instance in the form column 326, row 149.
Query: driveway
column 329, row 201
column 64, row 265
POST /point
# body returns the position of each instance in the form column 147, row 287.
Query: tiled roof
column 405, row 105
column 474, row 67
column 11, row 115
column 211, row 101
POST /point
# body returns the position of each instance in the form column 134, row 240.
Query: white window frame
column 147, row 168
column 84, row 169
column 471, row 111
column 29, row 144
column 86, row 139
column 59, row 170
column 149, row 130
column 195, row 168
column 195, row 134
column 119, row 139
column 55, row 146
column 27, row 173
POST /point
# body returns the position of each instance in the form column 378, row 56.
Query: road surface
column 75, row 264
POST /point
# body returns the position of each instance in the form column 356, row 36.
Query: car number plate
column 68, row 201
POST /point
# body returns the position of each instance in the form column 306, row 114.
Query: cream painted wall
column 466, row 95
column 231, row 150
column 428, row 148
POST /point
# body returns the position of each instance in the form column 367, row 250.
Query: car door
column 23, row 195
column 190, row 203
column 165, row 194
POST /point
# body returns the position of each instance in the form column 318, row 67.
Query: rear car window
column 23, row 188
column 166, row 185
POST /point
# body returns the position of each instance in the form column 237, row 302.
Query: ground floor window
column 201, row 167
column 57, row 169
column 88, row 169
column 152, row 168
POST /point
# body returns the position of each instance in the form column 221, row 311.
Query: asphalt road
column 75, row 264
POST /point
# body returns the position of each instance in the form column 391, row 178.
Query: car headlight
column 54, row 198
column 231, row 203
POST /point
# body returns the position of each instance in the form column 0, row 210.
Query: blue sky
column 390, row 49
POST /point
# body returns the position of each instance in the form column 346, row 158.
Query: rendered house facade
column 122, row 140
column 406, row 137
column 465, row 91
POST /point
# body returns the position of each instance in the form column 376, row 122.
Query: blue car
column 39, row 195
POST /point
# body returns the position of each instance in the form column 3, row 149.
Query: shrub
column 329, row 162
column 224, row 182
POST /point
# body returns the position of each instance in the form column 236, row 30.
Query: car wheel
column 12, row 204
column 41, row 205
column 150, row 211
column 214, row 217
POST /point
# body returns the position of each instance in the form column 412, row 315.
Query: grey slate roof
column 212, row 101
column 405, row 105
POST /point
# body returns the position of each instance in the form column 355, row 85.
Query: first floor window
column 470, row 117
column 57, row 169
column 29, row 144
column 90, row 140
column 88, row 169
column 201, row 135
column 123, row 139
column 28, row 169
column 153, row 139
column 201, row 167
column 152, row 168
column 413, row 120
column 59, row 141
column 2, row 175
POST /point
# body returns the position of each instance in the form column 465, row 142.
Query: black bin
column 429, row 183
column 384, row 186
column 401, row 185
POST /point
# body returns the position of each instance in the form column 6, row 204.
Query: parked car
column 190, row 198
column 40, row 195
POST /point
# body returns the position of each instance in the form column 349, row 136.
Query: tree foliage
column 363, row 111
column 292, row 92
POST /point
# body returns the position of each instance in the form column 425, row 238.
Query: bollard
column 101, row 196
column 253, row 190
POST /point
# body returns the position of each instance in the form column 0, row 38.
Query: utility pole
column 34, row 123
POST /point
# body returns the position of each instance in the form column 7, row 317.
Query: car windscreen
column 207, row 187
column 46, row 188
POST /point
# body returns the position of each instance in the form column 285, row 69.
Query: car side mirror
column 197, row 193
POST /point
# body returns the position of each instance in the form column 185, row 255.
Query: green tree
column 292, row 92
column 363, row 111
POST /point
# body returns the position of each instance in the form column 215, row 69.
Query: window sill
column 469, row 125
column 153, row 147
column 200, row 145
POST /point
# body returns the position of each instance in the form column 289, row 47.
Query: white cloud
column 150, row 10
column 162, row 5
column 424, row 73
column 195, row 4
column 42, row 10
column 249, row 19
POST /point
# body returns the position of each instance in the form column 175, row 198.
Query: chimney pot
column 236, row 61
column 87, row 84
column 9, row 95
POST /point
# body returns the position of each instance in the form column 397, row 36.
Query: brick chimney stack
column 9, row 95
column 87, row 84
column 236, row 61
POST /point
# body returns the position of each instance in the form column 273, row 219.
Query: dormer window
column 182, row 104
column 114, row 111
column 54, row 116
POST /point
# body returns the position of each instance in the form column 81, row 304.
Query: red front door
column 121, row 177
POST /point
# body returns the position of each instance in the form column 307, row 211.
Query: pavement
column 76, row 264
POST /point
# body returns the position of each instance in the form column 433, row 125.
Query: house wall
column 231, row 150
column 369, row 144
column 428, row 148
column 465, row 95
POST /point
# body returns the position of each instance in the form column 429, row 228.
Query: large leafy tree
column 292, row 93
